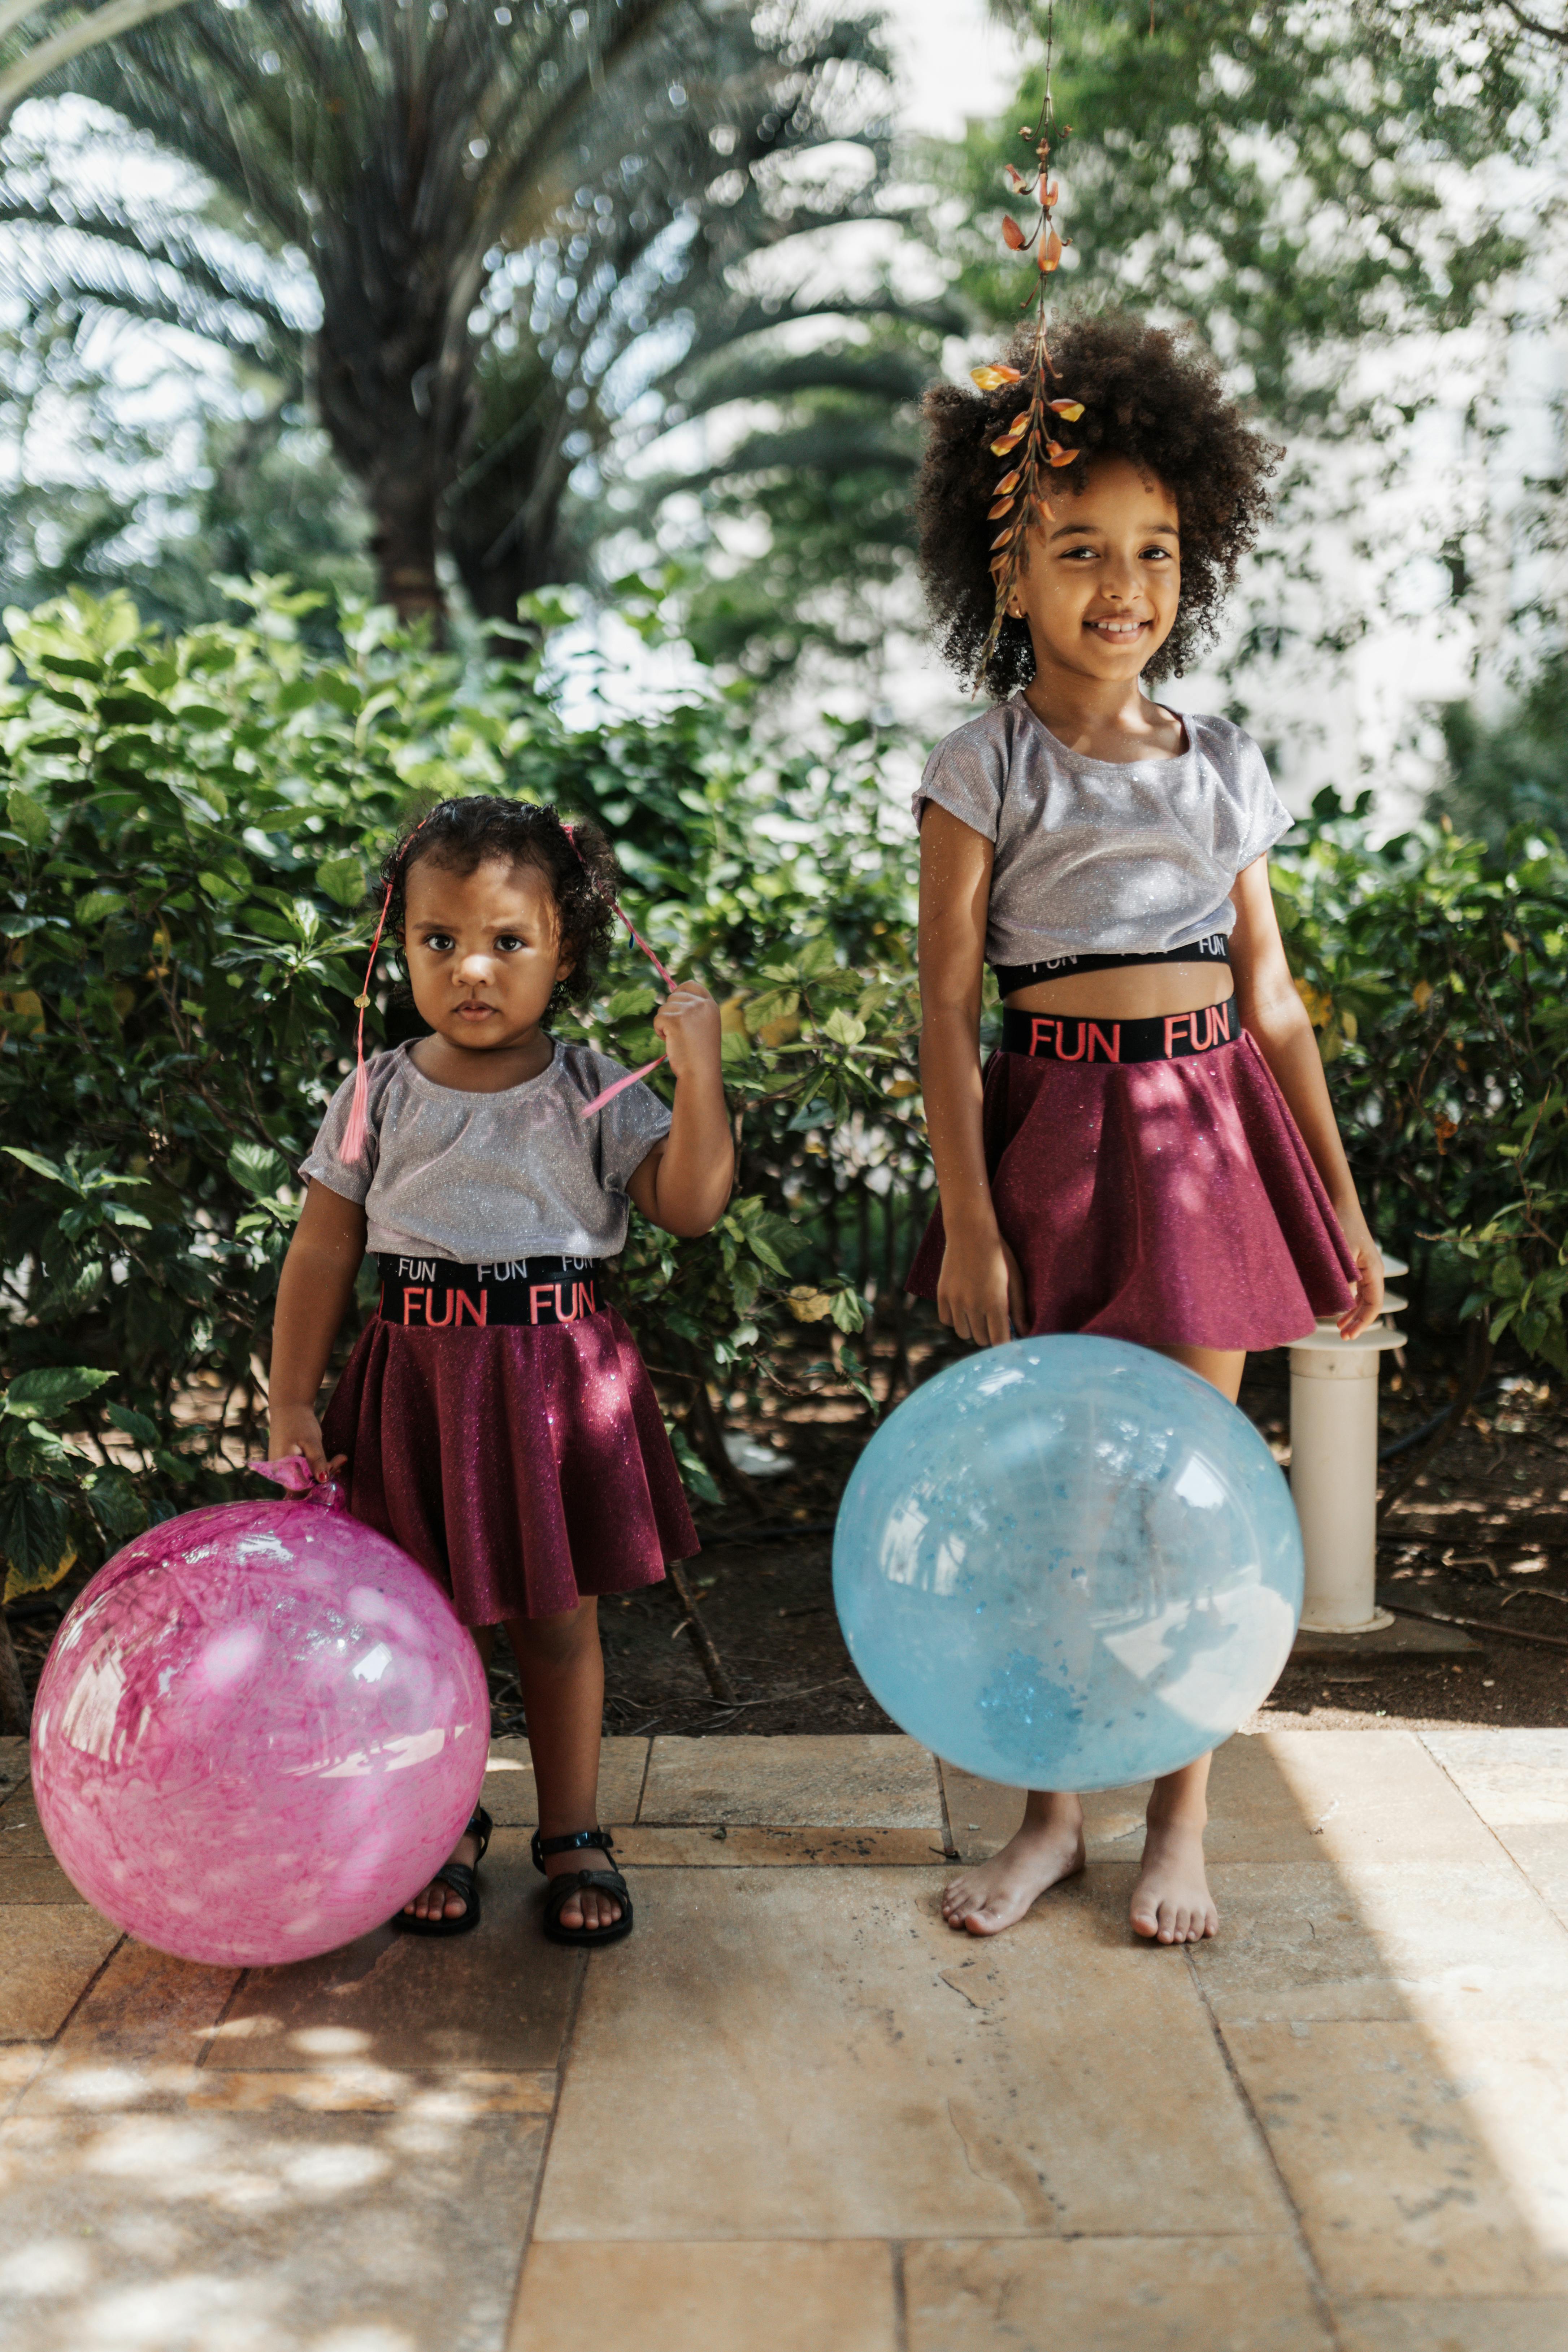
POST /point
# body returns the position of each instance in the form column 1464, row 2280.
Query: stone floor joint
column 1325, row 2310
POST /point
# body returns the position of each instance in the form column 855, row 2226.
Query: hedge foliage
column 190, row 829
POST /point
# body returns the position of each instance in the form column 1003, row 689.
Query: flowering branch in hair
column 1019, row 502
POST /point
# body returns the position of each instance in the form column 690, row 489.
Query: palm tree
column 499, row 207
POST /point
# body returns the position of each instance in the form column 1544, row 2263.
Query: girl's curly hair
column 1148, row 395
column 579, row 866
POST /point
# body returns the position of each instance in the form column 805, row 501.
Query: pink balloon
column 261, row 1728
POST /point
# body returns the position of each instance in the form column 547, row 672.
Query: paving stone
column 1253, row 1814
column 713, row 2297
column 698, row 1847
column 509, row 1791
column 217, row 2232
column 122, row 2087
column 1378, row 1796
column 21, row 1831
column 1540, row 1850
column 1420, row 2165
column 498, row 1996
column 1382, row 1940
column 33, row 1879
column 49, row 1953
column 1113, row 2295
column 820, row 2056
column 19, row 2061
column 1491, row 2324
column 1510, row 1777
column 146, row 2011
column 876, row 1782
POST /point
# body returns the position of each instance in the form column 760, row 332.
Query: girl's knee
column 556, row 1641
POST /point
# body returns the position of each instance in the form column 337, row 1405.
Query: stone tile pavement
column 795, row 2112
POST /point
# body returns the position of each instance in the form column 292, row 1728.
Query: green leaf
column 35, row 1538
column 100, row 903
column 343, row 878
column 116, row 1505
column 844, row 1028
column 39, row 1166
column 28, row 816
column 44, row 1393
column 134, row 1425
column 257, row 1168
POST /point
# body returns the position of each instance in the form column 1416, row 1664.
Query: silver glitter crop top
column 476, row 1177
column 1099, row 858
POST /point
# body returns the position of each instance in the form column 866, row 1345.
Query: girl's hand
column 294, row 1429
column 688, row 1022
column 1368, row 1304
column 980, row 1291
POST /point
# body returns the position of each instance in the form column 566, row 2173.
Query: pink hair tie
column 669, row 979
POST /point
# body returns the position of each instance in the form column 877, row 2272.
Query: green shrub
column 1435, row 980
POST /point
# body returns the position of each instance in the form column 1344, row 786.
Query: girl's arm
column 684, row 1182
column 1273, row 1011
column 980, row 1286
column 313, row 1294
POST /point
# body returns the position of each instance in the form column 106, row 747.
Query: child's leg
column 1048, row 1845
column 562, row 1669
column 1170, row 1898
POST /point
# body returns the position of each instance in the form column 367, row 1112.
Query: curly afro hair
column 1149, row 395
column 579, row 866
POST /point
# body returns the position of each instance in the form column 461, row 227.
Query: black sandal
column 573, row 1882
column 461, row 1878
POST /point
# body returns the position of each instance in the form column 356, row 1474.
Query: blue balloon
column 1067, row 1563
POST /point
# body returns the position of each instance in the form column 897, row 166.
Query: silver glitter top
column 1097, row 855
column 477, row 1177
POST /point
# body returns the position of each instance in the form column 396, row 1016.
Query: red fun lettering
column 1175, row 1021
column 1110, row 1047
column 437, row 1322
column 1062, row 1053
column 1040, row 1033
column 589, row 1304
column 478, row 1314
column 537, row 1291
column 409, row 1296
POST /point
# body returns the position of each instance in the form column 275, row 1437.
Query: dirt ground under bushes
column 1483, row 1535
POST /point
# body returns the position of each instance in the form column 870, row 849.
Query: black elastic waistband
column 433, row 1293
column 1213, row 948
column 1169, row 1037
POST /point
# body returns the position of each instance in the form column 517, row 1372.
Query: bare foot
column 1171, row 1902
column 996, row 1894
column 439, row 1901
column 591, row 1907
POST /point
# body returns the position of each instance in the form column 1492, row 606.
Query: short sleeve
column 324, row 1163
column 1265, row 819
column 628, row 1126
column 965, row 775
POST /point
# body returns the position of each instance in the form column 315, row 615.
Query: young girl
column 1152, row 1154
column 495, row 1417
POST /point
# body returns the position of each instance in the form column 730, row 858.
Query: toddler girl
column 495, row 1416
column 1150, row 1155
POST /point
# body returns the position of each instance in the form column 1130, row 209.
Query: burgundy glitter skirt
column 525, row 1467
column 1171, row 1202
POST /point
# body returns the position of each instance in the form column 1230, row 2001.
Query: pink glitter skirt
column 1171, row 1203
column 525, row 1467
